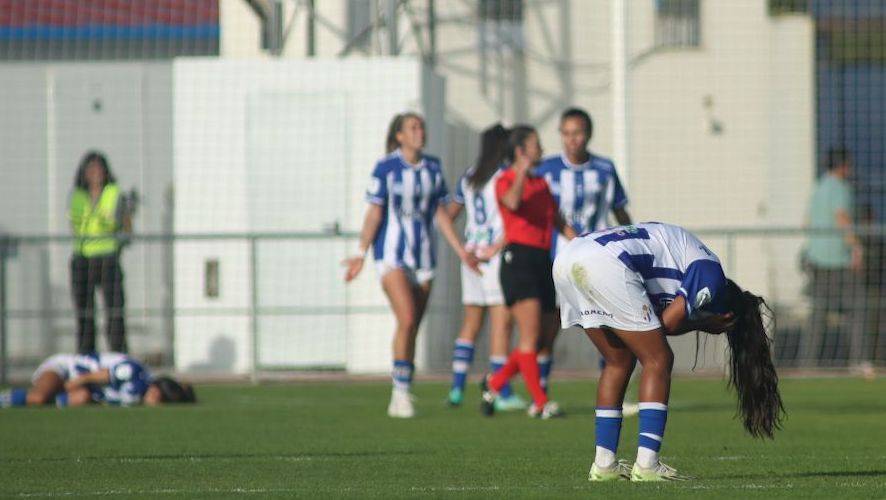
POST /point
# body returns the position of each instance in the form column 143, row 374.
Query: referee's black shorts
column 526, row 274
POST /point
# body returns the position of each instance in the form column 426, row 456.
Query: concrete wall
column 285, row 145
column 50, row 115
column 751, row 76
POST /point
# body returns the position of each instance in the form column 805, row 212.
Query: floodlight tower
column 500, row 56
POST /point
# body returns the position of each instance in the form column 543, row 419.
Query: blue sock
column 462, row 357
column 61, row 399
column 402, row 374
column 19, row 397
column 14, row 397
column 653, row 417
column 545, row 363
column 607, row 428
column 495, row 364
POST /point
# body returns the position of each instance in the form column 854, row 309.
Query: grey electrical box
column 210, row 279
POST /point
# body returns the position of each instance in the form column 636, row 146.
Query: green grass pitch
column 326, row 439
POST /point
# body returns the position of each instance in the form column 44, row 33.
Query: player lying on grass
column 631, row 286
column 111, row 378
column 481, row 293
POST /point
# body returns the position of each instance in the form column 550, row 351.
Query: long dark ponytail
column 751, row 372
column 493, row 142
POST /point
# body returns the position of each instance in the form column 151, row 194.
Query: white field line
column 164, row 491
column 194, row 459
column 417, row 489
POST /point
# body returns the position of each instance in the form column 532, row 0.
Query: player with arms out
column 588, row 193
column 629, row 288
column 481, row 293
column 110, row 378
column 407, row 193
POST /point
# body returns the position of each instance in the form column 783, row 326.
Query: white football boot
column 401, row 404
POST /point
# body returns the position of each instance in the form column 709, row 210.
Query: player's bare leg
column 654, row 354
column 616, row 374
column 45, row 388
column 79, row 397
column 472, row 322
column 408, row 303
column 550, row 329
column 500, row 328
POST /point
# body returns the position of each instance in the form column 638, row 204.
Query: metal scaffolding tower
column 412, row 27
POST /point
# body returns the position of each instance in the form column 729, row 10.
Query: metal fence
column 285, row 291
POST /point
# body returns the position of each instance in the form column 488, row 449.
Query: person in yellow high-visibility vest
column 98, row 216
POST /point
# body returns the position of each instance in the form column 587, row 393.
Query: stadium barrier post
column 253, row 307
column 5, row 250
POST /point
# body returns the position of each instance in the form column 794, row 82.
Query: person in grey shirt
column 834, row 255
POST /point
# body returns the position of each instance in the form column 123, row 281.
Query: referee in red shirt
column 530, row 215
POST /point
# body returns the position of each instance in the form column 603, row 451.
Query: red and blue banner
column 79, row 20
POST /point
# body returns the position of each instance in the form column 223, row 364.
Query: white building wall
column 752, row 76
column 50, row 115
column 284, row 145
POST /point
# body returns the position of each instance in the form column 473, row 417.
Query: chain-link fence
column 281, row 305
column 249, row 128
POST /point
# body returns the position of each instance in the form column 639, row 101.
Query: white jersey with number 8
column 483, row 228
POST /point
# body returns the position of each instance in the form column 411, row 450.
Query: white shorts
column 596, row 289
column 58, row 363
column 485, row 289
column 416, row 276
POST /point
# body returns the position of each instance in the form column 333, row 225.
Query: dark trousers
column 836, row 292
column 86, row 274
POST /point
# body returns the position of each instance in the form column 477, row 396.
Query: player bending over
column 631, row 286
column 111, row 378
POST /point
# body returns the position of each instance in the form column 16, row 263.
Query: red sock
column 529, row 368
column 500, row 378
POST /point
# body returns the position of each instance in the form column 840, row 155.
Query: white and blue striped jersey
column 671, row 260
column 483, row 225
column 586, row 193
column 410, row 195
column 129, row 379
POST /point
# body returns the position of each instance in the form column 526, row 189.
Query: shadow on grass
column 809, row 407
column 810, row 474
column 209, row 457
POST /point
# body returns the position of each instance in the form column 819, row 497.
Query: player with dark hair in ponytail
column 530, row 217
column 631, row 287
column 751, row 372
column 482, row 293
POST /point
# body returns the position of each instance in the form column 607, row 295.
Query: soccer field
column 334, row 440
